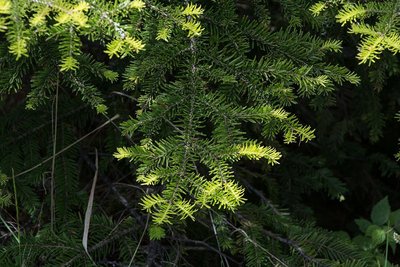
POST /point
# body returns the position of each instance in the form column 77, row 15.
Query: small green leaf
column 382, row 261
column 380, row 212
column 394, row 218
column 343, row 235
column 363, row 242
column 371, row 229
column 378, row 236
column 362, row 224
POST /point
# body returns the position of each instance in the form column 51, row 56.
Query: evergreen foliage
column 225, row 130
column 377, row 37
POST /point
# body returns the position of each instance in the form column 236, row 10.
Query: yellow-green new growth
column 39, row 18
column 123, row 153
column 253, row 150
column 164, row 34
column 189, row 15
column 350, row 13
column 124, row 47
column 193, row 27
column 137, row 4
column 376, row 38
column 150, row 179
column 192, row 10
column 317, row 8
column 75, row 15
column 5, row 6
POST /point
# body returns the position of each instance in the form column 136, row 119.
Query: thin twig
column 140, row 240
column 32, row 130
column 263, row 198
column 206, row 245
column 99, row 245
column 216, row 238
column 67, row 147
column 54, row 117
column 16, row 207
column 277, row 237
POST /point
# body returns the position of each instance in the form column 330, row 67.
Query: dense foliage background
column 203, row 133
